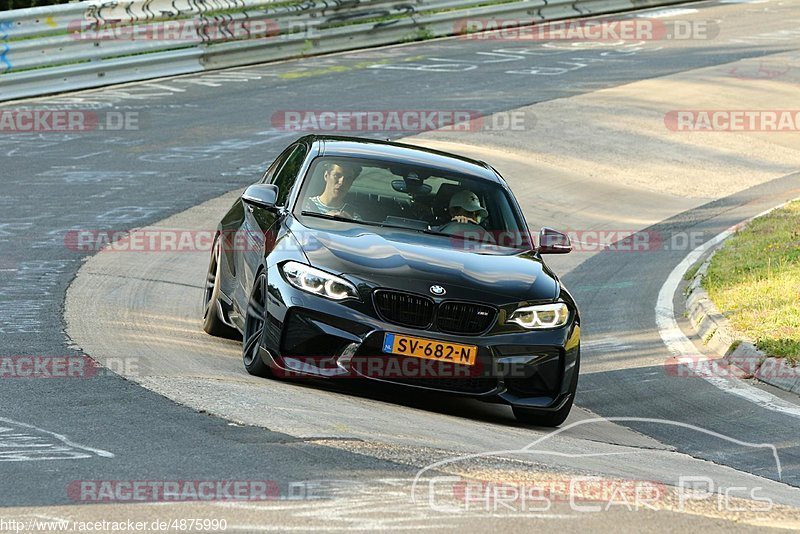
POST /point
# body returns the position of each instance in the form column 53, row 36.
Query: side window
column 286, row 177
column 270, row 173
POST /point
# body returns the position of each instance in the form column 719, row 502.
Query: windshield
column 411, row 197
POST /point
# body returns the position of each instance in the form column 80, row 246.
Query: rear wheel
column 551, row 419
column 254, row 326
column 212, row 323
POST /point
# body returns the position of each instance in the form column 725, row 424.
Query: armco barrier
column 67, row 47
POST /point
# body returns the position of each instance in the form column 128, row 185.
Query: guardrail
column 82, row 45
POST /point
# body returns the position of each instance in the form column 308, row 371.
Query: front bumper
column 312, row 336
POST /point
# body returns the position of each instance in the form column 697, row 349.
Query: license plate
column 429, row 349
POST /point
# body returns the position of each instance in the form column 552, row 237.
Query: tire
column 254, row 326
column 549, row 419
column 212, row 323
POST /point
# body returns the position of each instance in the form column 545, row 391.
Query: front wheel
column 550, row 419
column 254, row 326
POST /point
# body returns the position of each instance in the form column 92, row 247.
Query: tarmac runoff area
column 599, row 161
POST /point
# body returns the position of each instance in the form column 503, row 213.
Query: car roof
column 403, row 153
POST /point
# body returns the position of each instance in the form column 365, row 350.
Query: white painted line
column 684, row 349
column 91, row 155
column 165, row 87
column 63, row 439
column 668, row 12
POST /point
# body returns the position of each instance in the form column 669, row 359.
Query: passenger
column 466, row 213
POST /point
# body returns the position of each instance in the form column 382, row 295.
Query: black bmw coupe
column 357, row 258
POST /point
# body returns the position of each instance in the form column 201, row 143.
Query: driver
column 339, row 178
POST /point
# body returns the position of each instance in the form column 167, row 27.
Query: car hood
column 414, row 261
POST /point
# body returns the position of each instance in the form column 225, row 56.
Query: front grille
column 404, row 308
column 464, row 317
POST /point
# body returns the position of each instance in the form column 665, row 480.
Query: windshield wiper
column 337, row 218
column 400, row 227
column 431, row 231
column 471, row 239
column 326, row 216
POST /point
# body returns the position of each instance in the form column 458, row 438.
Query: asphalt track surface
column 202, row 136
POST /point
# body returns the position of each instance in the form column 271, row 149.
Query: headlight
column 311, row 280
column 542, row 316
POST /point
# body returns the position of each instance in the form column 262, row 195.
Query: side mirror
column 553, row 242
column 261, row 195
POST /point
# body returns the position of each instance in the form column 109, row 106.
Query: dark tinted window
column 279, row 161
column 286, row 177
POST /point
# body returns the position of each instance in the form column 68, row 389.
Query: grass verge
column 754, row 280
